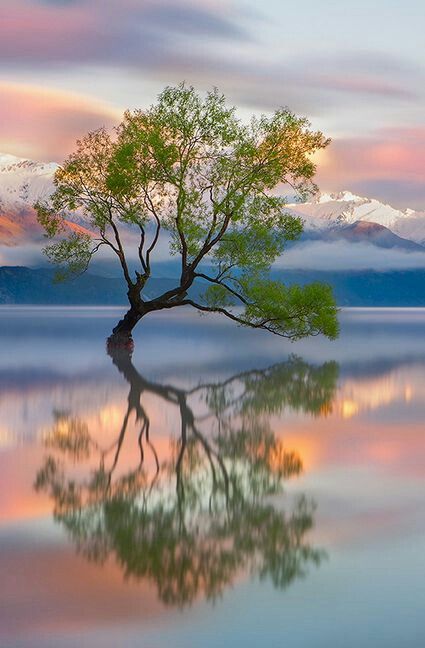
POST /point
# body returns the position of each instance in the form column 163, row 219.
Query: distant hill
column 20, row 285
column 402, row 288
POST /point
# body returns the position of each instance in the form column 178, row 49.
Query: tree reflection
column 192, row 521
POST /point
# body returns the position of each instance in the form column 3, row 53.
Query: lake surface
column 221, row 487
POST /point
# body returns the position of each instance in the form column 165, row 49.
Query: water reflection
column 193, row 516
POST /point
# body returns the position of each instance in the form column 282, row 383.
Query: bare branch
column 120, row 252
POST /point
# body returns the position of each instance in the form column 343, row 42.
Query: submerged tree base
column 121, row 336
column 119, row 342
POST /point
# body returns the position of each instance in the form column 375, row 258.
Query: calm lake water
column 221, row 487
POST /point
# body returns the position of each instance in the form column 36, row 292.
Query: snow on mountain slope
column 344, row 208
column 412, row 226
column 23, row 182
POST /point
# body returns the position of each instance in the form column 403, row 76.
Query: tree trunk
column 121, row 337
column 122, row 332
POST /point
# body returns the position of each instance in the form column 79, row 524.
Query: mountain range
column 332, row 218
column 22, row 183
column 355, row 219
column 36, row 286
column 326, row 217
column 327, row 212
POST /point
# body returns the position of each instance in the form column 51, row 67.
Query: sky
column 355, row 68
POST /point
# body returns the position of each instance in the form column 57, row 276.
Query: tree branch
column 154, row 242
column 229, row 314
column 218, row 282
column 120, row 252
column 140, row 249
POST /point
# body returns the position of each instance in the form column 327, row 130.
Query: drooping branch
column 120, row 442
column 232, row 316
column 154, row 241
column 218, row 282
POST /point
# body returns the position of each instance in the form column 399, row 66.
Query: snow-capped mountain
column 328, row 211
column 22, row 183
column 329, row 216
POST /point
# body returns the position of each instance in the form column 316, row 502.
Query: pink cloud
column 390, row 163
column 153, row 36
column 43, row 29
column 44, row 124
column 115, row 31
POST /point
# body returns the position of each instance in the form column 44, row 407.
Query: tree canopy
column 189, row 170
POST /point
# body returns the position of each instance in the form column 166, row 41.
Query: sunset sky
column 354, row 67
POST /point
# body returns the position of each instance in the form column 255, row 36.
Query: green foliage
column 72, row 255
column 49, row 219
column 188, row 166
column 294, row 311
column 260, row 239
column 70, row 435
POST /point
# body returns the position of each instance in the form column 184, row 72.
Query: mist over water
column 295, row 515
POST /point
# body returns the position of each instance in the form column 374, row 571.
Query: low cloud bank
column 342, row 255
column 28, row 254
column 314, row 255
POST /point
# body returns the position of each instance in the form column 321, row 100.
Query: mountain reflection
column 193, row 518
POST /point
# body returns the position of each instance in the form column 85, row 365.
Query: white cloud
column 26, row 254
column 342, row 255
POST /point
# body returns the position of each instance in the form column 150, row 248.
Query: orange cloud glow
column 392, row 158
column 43, row 124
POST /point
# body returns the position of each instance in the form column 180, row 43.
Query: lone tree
column 188, row 169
